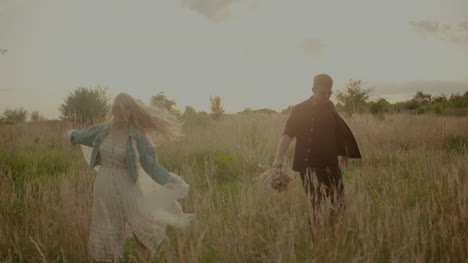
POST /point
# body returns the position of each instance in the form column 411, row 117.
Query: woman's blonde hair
column 156, row 123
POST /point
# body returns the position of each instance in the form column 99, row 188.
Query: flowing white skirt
column 123, row 208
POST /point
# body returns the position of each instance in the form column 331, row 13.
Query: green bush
column 12, row 116
column 380, row 108
column 458, row 101
column 192, row 118
column 437, row 108
column 37, row 116
column 421, row 110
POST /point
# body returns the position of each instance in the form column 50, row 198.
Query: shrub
column 36, row 116
column 12, row 116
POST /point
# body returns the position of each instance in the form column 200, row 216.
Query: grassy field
column 407, row 200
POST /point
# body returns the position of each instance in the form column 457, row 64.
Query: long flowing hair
column 156, row 123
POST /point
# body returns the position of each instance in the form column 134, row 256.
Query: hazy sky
column 251, row 53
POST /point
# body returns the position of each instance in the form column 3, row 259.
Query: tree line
column 86, row 105
column 12, row 116
column 355, row 99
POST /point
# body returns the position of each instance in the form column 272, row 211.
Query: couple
column 133, row 189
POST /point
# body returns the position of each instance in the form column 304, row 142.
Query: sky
column 251, row 53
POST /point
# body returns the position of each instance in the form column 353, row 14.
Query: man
column 321, row 136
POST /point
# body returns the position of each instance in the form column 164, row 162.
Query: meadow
column 406, row 200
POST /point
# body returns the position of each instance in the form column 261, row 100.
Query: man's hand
column 277, row 164
column 344, row 161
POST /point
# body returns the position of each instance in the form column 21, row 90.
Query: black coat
column 321, row 135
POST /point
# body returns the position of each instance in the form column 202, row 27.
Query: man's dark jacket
column 321, row 135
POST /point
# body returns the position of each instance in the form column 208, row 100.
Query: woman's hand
column 175, row 179
column 178, row 185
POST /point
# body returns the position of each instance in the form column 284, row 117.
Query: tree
column 458, row 101
column 192, row 118
column 412, row 104
column 12, row 116
column 162, row 100
column 266, row 111
column 439, row 99
column 86, row 105
column 422, row 98
column 379, row 107
column 37, row 116
column 189, row 112
column 339, row 107
column 261, row 111
column 217, row 110
column 354, row 97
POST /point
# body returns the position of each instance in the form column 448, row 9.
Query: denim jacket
column 95, row 135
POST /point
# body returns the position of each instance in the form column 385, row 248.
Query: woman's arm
column 149, row 161
column 85, row 137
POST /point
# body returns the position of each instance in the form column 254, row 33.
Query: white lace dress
column 120, row 206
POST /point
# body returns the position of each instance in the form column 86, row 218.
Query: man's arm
column 290, row 131
column 282, row 147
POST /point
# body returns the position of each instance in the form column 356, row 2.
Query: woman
column 124, row 196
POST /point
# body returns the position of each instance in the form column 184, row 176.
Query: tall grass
column 406, row 201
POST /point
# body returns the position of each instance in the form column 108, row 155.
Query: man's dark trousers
column 321, row 183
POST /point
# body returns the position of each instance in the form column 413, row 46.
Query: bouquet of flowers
column 278, row 177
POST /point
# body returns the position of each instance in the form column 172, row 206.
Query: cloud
column 456, row 34
column 464, row 25
column 429, row 26
column 312, row 48
column 214, row 10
